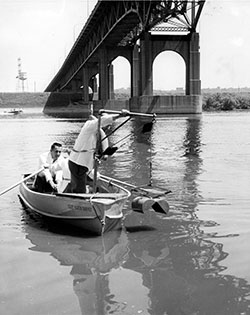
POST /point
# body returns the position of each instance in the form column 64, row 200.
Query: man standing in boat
column 51, row 177
column 81, row 159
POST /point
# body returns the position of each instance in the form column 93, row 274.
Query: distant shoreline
column 23, row 99
column 211, row 101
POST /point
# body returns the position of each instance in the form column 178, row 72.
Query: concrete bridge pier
column 146, row 64
column 85, row 85
column 193, row 82
column 187, row 46
column 103, row 75
column 135, row 70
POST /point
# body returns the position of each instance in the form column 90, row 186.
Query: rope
column 119, row 126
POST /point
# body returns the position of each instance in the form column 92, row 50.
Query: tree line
column 225, row 101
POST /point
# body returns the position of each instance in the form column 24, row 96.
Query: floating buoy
column 142, row 204
column 160, row 205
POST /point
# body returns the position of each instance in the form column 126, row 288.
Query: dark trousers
column 78, row 175
column 42, row 186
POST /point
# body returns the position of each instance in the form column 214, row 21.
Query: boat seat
column 92, row 196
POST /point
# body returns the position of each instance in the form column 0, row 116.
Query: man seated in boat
column 81, row 159
column 54, row 163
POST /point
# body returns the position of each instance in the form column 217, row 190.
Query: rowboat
column 99, row 210
column 93, row 213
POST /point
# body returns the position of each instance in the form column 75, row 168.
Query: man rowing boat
column 51, row 177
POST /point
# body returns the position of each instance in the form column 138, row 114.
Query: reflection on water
column 91, row 261
column 144, row 272
column 176, row 264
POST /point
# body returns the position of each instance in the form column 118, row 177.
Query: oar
column 112, row 149
column 21, row 181
column 128, row 113
column 157, row 201
column 155, row 192
column 118, row 181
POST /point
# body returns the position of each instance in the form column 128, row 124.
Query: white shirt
column 85, row 144
column 53, row 168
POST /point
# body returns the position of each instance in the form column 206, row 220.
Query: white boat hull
column 94, row 213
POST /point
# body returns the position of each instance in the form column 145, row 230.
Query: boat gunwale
column 26, row 188
column 85, row 196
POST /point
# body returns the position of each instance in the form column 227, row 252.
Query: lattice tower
column 22, row 76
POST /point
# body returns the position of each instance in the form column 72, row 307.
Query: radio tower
column 22, row 76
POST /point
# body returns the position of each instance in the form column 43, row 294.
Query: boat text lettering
column 79, row 208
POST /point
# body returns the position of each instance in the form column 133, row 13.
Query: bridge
column 138, row 31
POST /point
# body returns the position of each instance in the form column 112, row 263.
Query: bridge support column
column 103, row 76
column 135, row 69
column 146, row 65
column 85, row 81
column 193, row 82
column 111, row 82
column 75, row 85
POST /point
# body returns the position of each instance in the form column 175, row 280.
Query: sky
column 42, row 32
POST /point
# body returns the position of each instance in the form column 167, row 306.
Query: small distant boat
column 15, row 111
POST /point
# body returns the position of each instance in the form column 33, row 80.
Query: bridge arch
column 185, row 45
column 169, row 72
column 121, row 72
column 117, row 65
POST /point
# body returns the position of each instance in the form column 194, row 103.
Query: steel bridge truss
column 122, row 23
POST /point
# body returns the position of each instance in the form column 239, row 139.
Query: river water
column 194, row 261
